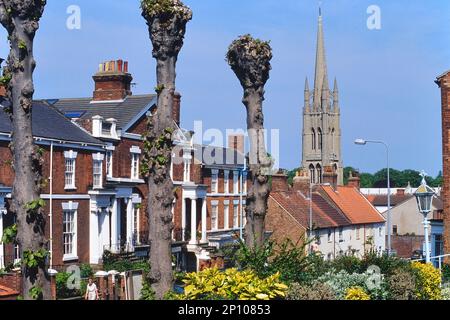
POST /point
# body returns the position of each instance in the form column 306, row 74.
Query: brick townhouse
column 107, row 192
column 343, row 221
column 70, row 155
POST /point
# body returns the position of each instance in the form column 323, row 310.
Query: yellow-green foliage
column 428, row 281
column 231, row 284
column 356, row 293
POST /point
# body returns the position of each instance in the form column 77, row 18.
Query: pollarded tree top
column 159, row 8
column 166, row 20
column 27, row 10
column 249, row 58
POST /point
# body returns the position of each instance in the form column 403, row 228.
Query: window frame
column 70, row 161
column 70, row 208
column 135, row 162
column 214, row 216
column 214, row 181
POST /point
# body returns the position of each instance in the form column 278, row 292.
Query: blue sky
column 386, row 77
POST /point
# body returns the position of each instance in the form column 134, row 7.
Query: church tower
column 321, row 121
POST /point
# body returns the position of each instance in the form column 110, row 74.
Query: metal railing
column 434, row 259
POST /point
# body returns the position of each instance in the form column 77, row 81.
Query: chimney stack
column 236, row 142
column 280, row 181
column 112, row 81
column 2, row 87
column 354, row 180
column 301, row 182
column 176, row 108
column 330, row 176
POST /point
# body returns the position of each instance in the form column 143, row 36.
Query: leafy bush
column 111, row 262
column 401, row 285
column 350, row 264
column 428, row 281
column 356, row 293
column 445, row 293
column 387, row 264
column 315, row 291
column 446, row 273
column 342, row 281
column 62, row 291
column 288, row 259
column 212, row 284
column 147, row 292
column 86, row 270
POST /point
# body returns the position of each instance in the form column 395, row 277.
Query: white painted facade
column 351, row 239
column 4, row 192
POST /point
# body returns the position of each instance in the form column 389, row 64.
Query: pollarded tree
column 249, row 58
column 21, row 18
column 166, row 20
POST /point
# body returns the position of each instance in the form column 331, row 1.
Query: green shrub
column 288, row 259
column 445, row 293
column 62, row 291
column 212, row 284
column 446, row 272
column 401, row 285
column 387, row 264
column 147, row 292
column 86, row 271
column 315, row 291
column 342, row 281
column 428, row 281
column 356, row 293
column 349, row 264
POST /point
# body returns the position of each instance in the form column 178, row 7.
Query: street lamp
column 363, row 142
column 424, row 196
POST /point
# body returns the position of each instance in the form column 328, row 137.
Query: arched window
column 332, row 141
column 319, row 173
column 313, row 139
column 312, row 173
column 319, row 133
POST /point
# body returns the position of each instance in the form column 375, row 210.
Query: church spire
column 307, row 95
column 321, row 64
column 335, row 96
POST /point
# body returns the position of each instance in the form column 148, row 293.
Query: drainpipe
column 51, row 205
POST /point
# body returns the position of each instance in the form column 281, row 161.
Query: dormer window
column 104, row 128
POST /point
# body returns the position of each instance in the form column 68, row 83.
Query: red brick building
column 338, row 219
column 99, row 180
column 443, row 81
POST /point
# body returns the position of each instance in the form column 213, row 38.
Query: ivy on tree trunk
column 249, row 58
column 21, row 18
column 166, row 20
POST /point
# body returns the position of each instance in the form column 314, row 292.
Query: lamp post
column 363, row 142
column 424, row 196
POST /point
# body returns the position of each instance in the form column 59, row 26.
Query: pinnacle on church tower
column 321, row 120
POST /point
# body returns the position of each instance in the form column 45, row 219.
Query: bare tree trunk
column 167, row 21
column 250, row 60
column 20, row 19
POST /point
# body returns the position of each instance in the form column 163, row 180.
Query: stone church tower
column 321, row 121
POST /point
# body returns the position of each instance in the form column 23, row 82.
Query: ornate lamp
column 424, row 196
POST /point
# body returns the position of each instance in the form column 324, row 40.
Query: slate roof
column 353, row 204
column 298, row 207
column 48, row 122
column 123, row 111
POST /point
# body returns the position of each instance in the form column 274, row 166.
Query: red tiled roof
column 353, row 204
column 7, row 292
column 381, row 199
column 297, row 205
